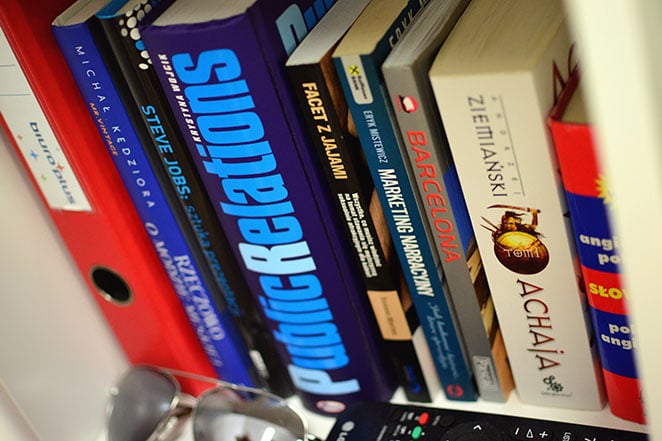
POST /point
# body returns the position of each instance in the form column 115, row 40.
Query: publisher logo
column 356, row 79
column 485, row 374
column 407, row 104
column 552, row 384
column 455, row 390
column 330, row 406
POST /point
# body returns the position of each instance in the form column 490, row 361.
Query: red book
column 587, row 192
column 60, row 148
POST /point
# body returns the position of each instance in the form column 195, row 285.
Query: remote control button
column 417, row 432
column 395, row 414
column 526, row 432
column 443, row 421
column 423, row 418
column 473, row 431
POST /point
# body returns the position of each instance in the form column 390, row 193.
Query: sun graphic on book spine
column 602, row 187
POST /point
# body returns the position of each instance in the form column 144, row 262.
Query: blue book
column 121, row 127
column 222, row 66
column 358, row 59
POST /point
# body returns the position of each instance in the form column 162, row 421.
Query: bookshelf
column 59, row 359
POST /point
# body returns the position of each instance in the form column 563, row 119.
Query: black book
column 324, row 111
column 166, row 149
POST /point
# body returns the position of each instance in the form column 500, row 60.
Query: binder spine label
column 39, row 146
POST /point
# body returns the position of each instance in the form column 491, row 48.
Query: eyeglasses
column 147, row 405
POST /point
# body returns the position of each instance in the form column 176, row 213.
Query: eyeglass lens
column 225, row 415
column 145, row 399
column 142, row 400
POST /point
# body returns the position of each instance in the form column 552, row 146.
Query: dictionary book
column 122, row 127
column 494, row 90
column 65, row 158
column 589, row 204
column 222, row 67
column 324, row 109
column 358, row 60
column 425, row 146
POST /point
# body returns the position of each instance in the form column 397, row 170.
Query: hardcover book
column 128, row 139
column 62, row 153
column 589, row 205
column 324, row 109
column 358, row 60
column 494, row 89
column 222, row 67
column 426, row 148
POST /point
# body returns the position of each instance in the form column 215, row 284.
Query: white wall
column 57, row 357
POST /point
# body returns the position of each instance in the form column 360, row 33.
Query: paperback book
column 227, row 286
column 127, row 138
column 324, row 109
column 589, row 205
column 358, row 59
column 494, row 90
column 222, row 67
column 425, row 146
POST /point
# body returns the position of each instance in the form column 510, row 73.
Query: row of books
column 343, row 197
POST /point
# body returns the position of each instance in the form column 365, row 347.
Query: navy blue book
column 122, row 128
column 222, row 65
column 358, row 60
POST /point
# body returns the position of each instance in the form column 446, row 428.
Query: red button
column 424, row 418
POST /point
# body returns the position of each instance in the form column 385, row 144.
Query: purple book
column 222, row 68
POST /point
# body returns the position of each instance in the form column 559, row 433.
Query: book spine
column 426, row 149
column 278, row 21
column 228, row 286
column 147, row 191
column 411, row 239
column 589, row 203
column 339, row 154
column 240, row 141
column 498, row 137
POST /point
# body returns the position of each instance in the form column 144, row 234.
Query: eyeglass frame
column 183, row 405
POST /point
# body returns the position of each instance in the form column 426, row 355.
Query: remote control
column 368, row 421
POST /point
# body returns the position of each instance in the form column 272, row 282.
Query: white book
column 495, row 80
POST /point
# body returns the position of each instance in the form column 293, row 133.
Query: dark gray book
column 426, row 149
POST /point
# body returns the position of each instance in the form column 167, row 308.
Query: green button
column 417, row 432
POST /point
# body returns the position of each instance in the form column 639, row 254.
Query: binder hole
column 111, row 286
